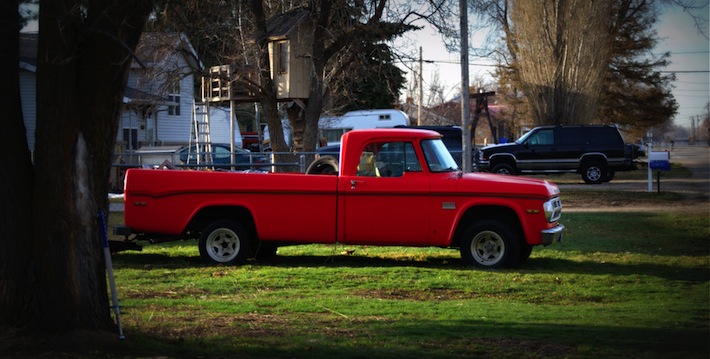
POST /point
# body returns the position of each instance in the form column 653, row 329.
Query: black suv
column 595, row 152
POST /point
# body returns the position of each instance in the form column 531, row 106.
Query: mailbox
column 659, row 161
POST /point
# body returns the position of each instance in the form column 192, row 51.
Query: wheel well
column 478, row 213
column 509, row 160
column 591, row 159
column 210, row 214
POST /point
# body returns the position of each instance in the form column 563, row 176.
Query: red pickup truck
column 392, row 187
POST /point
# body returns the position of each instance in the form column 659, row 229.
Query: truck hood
column 501, row 185
column 502, row 147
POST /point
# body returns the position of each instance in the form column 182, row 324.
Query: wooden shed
column 290, row 42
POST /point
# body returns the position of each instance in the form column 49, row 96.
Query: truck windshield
column 523, row 137
column 438, row 157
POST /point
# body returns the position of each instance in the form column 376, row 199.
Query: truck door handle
column 353, row 183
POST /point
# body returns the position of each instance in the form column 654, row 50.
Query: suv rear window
column 572, row 136
column 607, row 136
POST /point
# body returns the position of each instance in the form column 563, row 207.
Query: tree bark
column 82, row 64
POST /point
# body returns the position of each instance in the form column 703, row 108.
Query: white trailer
column 332, row 128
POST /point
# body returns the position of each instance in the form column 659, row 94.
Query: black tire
column 490, row 244
column 265, row 251
column 593, row 172
column 525, row 252
column 224, row 242
column 503, row 169
column 609, row 176
column 326, row 165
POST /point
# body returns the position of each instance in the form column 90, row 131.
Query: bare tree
column 581, row 44
column 343, row 32
column 562, row 52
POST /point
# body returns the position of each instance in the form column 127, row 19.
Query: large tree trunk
column 83, row 60
column 319, row 59
column 562, row 55
column 266, row 93
column 15, row 178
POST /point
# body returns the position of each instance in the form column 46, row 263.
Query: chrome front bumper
column 553, row 235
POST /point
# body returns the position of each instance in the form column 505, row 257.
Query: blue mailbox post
column 659, row 161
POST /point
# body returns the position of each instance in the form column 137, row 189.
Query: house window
column 174, row 96
column 282, row 57
column 130, row 137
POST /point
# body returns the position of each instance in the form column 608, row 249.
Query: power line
column 450, row 62
column 691, row 83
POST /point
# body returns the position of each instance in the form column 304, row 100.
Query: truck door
column 538, row 151
column 387, row 201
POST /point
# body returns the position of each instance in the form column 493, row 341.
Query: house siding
column 28, row 85
column 169, row 129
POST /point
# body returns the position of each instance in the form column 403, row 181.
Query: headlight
column 553, row 209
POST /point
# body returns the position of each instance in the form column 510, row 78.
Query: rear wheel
column 593, row 172
column 490, row 244
column 224, row 242
column 265, row 251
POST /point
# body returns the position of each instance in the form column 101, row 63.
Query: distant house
column 158, row 98
column 28, row 84
column 451, row 112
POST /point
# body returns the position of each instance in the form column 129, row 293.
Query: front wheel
column 224, row 242
column 503, row 169
column 490, row 244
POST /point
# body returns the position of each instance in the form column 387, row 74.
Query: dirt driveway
column 695, row 190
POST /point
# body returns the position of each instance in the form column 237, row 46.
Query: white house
column 158, row 99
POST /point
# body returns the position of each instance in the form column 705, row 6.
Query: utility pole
column 421, row 87
column 465, row 102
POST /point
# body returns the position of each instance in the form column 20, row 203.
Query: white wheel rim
column 594, row 173
column 222, row 245
column 487, row 248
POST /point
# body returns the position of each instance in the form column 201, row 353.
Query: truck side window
column 544, row 137
column 388, row 159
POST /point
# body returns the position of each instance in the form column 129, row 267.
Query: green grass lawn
column 620, row 285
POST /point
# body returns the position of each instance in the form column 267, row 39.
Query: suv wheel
column 503, row 169
column 593, row 172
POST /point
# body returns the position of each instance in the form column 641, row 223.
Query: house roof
column 280, row 27
column 154, row 47
column 136, row 97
